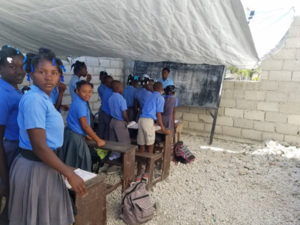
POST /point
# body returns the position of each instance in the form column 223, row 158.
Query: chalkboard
column 196, row 85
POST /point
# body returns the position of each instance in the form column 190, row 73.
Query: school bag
column 182, row 153
column 136, row 205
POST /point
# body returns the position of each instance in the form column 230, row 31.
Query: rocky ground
column 228, row 183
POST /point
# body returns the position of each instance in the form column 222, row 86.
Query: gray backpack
column 136, row 204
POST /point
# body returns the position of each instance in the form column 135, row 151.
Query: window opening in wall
column 234, row 73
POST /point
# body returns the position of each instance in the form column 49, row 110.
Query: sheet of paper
column 133, row 125
column 85, row 175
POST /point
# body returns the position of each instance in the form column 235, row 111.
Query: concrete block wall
column 258, row 111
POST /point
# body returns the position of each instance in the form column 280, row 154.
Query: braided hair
column 78, row 65
column 7, row 53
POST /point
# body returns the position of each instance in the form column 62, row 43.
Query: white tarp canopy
column 186, row 31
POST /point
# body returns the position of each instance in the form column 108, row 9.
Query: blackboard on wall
column 196, row 85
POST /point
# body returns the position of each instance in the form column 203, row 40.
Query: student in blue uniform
column 118, row 111
column 56, row 97
column 129, row 93
column 38, row 192
column 75, row 152
column 164, row 78
column 104, row 116
column 101, row 87
column 12, row 74
column 80, row 70
column 142, row 94
column 153, row 107
column 171, row 102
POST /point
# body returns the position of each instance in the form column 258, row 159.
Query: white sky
column 271, row 21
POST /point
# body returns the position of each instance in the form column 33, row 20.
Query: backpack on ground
column 136, row 205
column 182, row 153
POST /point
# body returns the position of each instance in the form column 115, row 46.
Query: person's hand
column 88, row 78
column 88, row 137
column 61, row 87
column 64, row 107
column 166, row 131
column 77, row 184
column 100, row 143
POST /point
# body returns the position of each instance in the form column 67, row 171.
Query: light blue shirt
column 166, row 83
column 37, row 111
column 129, row 93
column 117, row 104
column 72, row 86
column 54, row 95
column 79, row 108
column 101, row 90
column 104, row 104
column 153, row 104
column 9, row 106
column 141, row 96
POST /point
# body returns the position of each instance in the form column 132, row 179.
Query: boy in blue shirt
column 153, row 107
column 142, row 94
column 129, row 93
column 117, row 106
column 104, row 113
column 101, row 88
column 164, row 78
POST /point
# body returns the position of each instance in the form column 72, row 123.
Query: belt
column 29, row 154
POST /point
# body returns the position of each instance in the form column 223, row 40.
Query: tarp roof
column 186, row 31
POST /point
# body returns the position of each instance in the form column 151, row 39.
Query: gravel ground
column 228, row 183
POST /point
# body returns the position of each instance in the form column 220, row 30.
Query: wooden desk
column 91, row 208
column 128, row 159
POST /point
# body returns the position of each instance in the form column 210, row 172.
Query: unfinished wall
column 268, row 109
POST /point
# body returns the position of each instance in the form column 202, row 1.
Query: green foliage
column 244, row 74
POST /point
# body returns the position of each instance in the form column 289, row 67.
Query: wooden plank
column 167, row 156
column 128, row 167
column 112, row 146
column 92, row 207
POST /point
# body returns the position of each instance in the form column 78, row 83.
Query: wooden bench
column 128, row 162
column 178, row 131
column 91, row 208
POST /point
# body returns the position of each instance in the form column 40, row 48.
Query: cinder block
column 218, row 129
column 96, row 105
column 252, row 134
column 234, row 112
column 196, row 126
column 255, row 95
column 240, row 85
column 115, row 63
column 94, row 98
column 272, row 136
column 264, row 126
column 242, row 123
column 269, row 85
column 104, row 63
column 268, row 106
column 276, row 117
column 238, row 94
column 227, row 94
column 254, row 115
column 294, row 119
column 227, row 102
column 223, row 120
column 294, row 97
column 296, row 75
column 221, row 111
column 290, row 64
column 228, row 84
column 294, row 31
column 67, row 100
column 264, row 75
column 183, row 109
column 294, row 140
column 273, row 96
column 190, row 117
column 272, row 64
column 288, row 86
column 285, row 54
column 246, row 104
column 197, row 110
column 178, row 115
column 292, row 42
column 92, row 61
column 232, row 131
column 280, row 75
column 284, row 128
column 298, row 50
column 291, row 108
column 205, row 118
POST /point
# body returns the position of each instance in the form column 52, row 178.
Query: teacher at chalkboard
column 165, row 80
